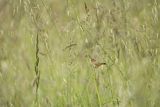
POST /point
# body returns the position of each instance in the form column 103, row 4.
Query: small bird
column 96, row 63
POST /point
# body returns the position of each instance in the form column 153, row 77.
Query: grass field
column 79, row 53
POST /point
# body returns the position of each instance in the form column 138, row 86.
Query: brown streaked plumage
column 97, row 64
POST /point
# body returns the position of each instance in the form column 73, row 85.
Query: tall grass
column 49, row 45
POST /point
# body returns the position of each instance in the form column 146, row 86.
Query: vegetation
column 79, row 53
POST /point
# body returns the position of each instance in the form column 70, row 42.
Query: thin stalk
column 96, row 80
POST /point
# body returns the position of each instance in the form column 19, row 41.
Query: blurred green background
column 124, row 34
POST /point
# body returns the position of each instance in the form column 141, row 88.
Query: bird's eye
column 93, row 60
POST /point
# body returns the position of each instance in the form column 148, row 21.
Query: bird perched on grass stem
column 96, row 63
